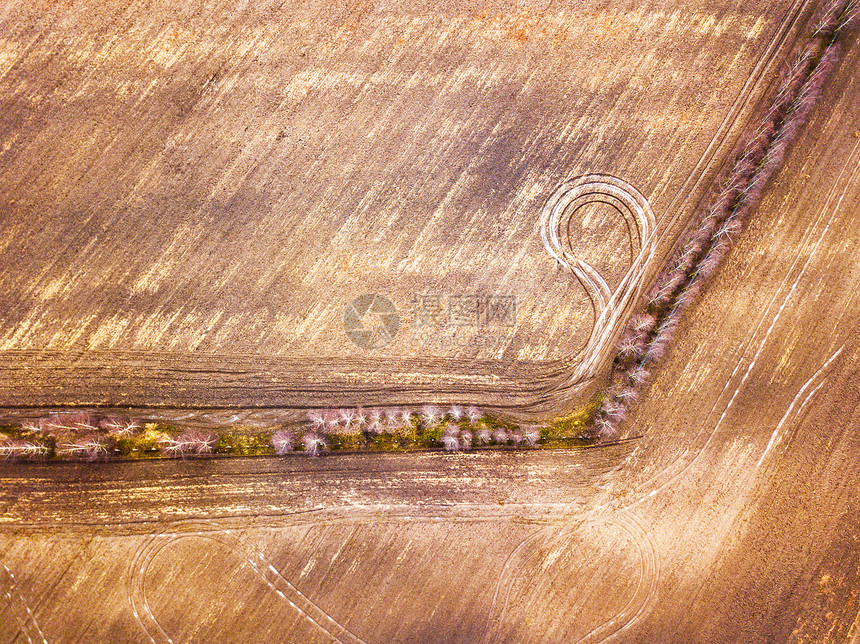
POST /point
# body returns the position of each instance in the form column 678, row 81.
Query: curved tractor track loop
column 645, row 594
column 265, row 570
column 527, row 558
column 610, row 307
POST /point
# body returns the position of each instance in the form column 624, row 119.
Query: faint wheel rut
column 267, row 573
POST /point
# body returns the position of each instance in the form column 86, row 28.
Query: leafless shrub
column 451, row 442
column 611, row 408
column 314, row 444
column 111, row 424
column 62, row 426
column 451, row 438
column 729, row 228
column 346, row 416
column 606, row 429
column 793, row 77
column 473, row 414
column 850, row 17
column 360, row 417
column 531, row 435
column 283, row 441
column 90, row 448
column 811, row 89
column 332, row 420
column 317, row 418
column 834, row 16
column 628, row 395
column 656, row 349
column 430, row 415
column 466, row 439
column 82, row 421
column 630, row 346
column 709, row 264
column 188, row 444
column 393, row 416
column 119, row 427
column 638, row 376
column 643, row 322
column 31, row 427
column 689, row 294
column 11, row 449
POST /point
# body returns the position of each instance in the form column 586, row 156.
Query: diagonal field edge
column 705, row 246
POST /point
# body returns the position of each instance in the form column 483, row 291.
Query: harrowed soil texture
column 732, row 514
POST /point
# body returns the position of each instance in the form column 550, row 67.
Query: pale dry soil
column 733, row 517
column 192, row 197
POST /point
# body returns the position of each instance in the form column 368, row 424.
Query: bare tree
column 283, row 441
column 314, row 444
column 451, row 439
column 430, row 415
column 190, row 443
column 10, row 449
column 473, row 414
column 89, row 447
